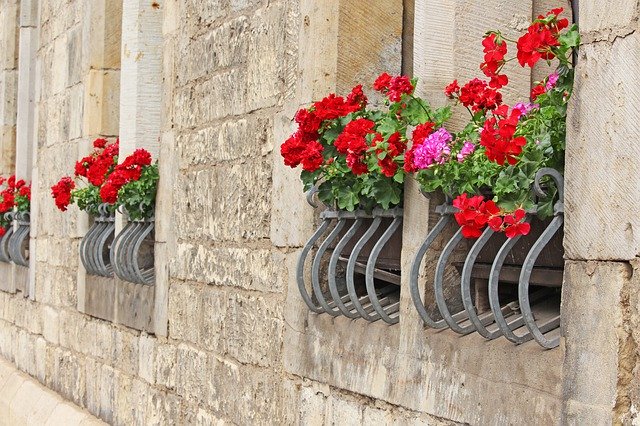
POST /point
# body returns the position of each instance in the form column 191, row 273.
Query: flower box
column 95, row 247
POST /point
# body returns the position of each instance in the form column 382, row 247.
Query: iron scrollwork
column 514, row 320
column 95, row 246
column 344, row 299
column 132, row 252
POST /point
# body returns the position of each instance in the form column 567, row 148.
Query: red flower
column 292, row 150
column 61, row 192
column 478, row 96
column 536, row 44
column 452, row 89
column 25, row 191
column 333, row 107
column 422, row 131
column 109, row 193
column 308, row 121
column 537, row 91
column 497, row 137
column 355, row 163
column 2, row 232
column 100, row 143
column 393, row 87
column 312, row 157
column 494, row 50
column 515, row 225
column 357, row 99
column 382, row 82
column 353, row 135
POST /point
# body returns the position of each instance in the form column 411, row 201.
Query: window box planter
column 19, row 240
column 96, row 245
column 355, row 267
column 500, row 263
column 132, row 252
column 4, row 240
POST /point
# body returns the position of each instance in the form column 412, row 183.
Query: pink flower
column 433, row 149
column 467, row 149
column 525, row 108
column 551, row 81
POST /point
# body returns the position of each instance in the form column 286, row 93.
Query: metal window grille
column 527, row 315
column 353, row 241
column 96, row 244
column 19, row 240
column 4, row 241
column 132, row 255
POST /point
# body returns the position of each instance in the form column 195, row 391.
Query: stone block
column 214, row 202
column 312, row 406
column 266, row 57
column 232, row 140
column 603, row 97
column 147, row 358
column 181, row 311
column 605, row 18
column 126, row 352
column 192, row 104
column 345, row 412
column 166, row 365
column 102, row 102
column 235, row 267
column 593, row 331
column 254, row 329
column 197, row 15
column 190, row 380
column 222, row 47
column 243, row 394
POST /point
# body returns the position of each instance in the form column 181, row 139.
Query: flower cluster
column 129, row 171
column 355, row 155
column 103, row 180
column 502, row 147
column 14, row 196
column 476, row 94
column 541, row 38
column 497, row 136
column 495, row 50
column 394, row 87
column 475, row 214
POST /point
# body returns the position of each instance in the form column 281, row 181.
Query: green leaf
column 387, row 192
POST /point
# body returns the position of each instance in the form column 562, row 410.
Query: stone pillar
column 25, row 128
column 8, row 83
column 141, row 63
column 602, row 243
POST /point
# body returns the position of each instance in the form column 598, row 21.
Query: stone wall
column 234, row 342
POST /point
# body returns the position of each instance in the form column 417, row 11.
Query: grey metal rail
column 125, row 253
column 95, row 246
column 515, row 320
column 377, row 303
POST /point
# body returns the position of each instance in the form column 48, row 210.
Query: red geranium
column 61, row 192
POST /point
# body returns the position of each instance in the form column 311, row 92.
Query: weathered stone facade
column 210, row 88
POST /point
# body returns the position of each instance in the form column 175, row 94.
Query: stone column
column 141, row 66
column 25, row 128
column 602, row 242
column 8, row 84
column 141, row 96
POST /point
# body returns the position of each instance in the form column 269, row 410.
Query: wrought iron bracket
column 503, row 319
column 376, row 304
column 18, row 244
column 96, row 244
column 128, row 260
column 4, row 241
